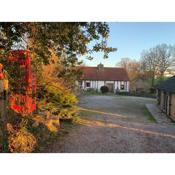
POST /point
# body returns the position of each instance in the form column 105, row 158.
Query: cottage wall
column 128, row 84
column 106, row 82
column 118, row 85
column 100, row 84
column 94, row 84
column 115, row 84
column 97, row 85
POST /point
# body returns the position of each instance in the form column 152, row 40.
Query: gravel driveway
column 129, row 130
column 133, row 108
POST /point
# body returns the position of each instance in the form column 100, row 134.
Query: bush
column 137, row 94
column 91, row 91
column 104, row 89
column 22, row 142
column 123, row 93
column 59, row 102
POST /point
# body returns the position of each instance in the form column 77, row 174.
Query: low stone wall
column 159, row 116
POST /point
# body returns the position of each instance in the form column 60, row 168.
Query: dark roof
column 104, row 73
column 168, row 85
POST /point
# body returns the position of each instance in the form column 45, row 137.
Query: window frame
column 89, row 84
column 122, row 87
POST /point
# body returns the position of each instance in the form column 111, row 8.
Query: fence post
column 3, row 112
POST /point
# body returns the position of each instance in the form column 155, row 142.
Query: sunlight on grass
column 97, row 123
column 149, row 115
column 100, row 112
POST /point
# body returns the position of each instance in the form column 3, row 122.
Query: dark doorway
column 110, row 86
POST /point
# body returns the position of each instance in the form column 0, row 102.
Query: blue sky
column 132, row 38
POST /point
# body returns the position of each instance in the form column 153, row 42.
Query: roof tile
column 105, row 73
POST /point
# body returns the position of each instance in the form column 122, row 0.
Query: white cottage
column 116, row 79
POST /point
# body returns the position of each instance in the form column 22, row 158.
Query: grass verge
column 149, row 115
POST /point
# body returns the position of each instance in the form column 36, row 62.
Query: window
column 88, row 84
column 122, row 87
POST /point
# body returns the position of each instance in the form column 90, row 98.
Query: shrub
column 91, row 91
column 137, row 94
column 59, row 102
column 123, row 93
column 22, row 142
column 104, row 89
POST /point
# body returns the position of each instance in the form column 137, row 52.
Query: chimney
column 100, row 66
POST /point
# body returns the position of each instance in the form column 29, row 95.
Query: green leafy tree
column 66, row 41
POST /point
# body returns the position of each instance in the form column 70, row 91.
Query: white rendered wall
column 127, row 86
column 109, row 82
column 94, row 84
column 100, row 84
column 115, row 85
column 83, row 84
column 119, row 85
column 97, row 85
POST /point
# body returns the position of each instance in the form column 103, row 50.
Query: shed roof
column 168, row 85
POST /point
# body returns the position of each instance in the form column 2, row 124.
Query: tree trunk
column 161, row 75
column 153, row 79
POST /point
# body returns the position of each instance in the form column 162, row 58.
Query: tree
column 157, row 60
column 66, row 42
column 68, row 39
column 124, row 62
column 166, row 58
column 133, row 69
column 149, row 63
